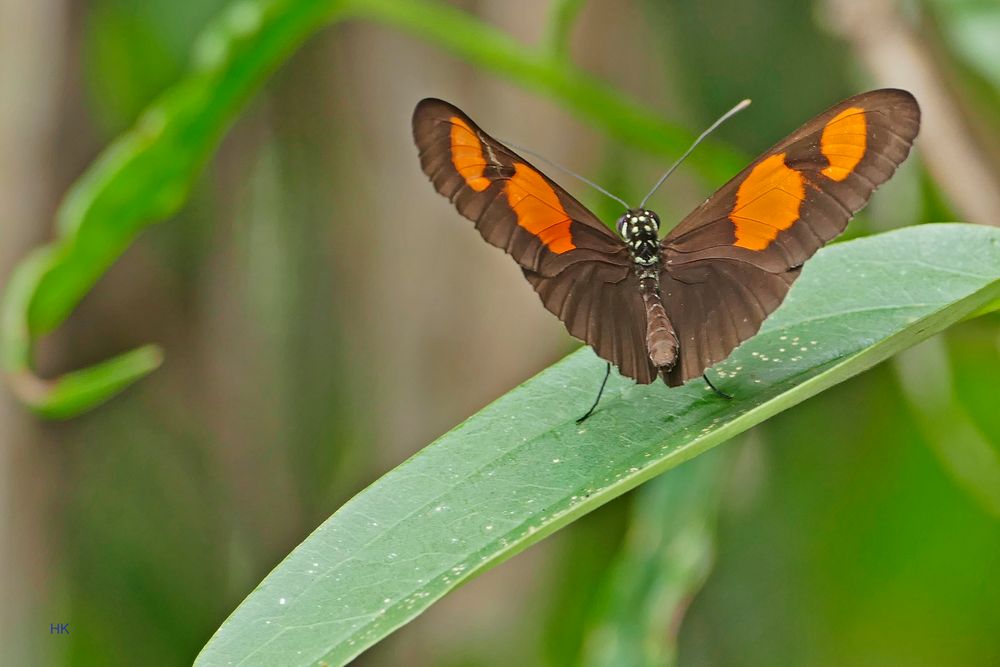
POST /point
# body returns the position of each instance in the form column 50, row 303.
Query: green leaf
column 522, row 468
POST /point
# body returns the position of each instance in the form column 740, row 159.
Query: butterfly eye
column 621, row 225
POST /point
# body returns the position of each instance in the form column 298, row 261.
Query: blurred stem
column 145, row 175
column 562, row 16
column 666, row 558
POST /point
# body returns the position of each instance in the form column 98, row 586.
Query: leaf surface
column 521, row 468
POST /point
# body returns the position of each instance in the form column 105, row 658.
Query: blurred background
column 325, row 314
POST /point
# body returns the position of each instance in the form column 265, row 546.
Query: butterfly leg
column 607, row 372
column 716, row 389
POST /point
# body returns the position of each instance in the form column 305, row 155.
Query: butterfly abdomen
column 661, row 340
column 639, row 229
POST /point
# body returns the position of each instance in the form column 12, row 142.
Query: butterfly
column 674, row 307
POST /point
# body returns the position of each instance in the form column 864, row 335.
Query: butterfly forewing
column 802, row 192
column 515, row 206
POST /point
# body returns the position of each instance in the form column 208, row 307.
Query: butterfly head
column 640, row 229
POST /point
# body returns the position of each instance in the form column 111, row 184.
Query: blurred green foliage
column 133, row 52
column 843, row 538
column 142, row 177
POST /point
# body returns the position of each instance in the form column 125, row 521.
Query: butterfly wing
column 602, row 306
column 579, row 268
column 729, row 264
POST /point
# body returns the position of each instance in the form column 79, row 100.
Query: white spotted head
column 636, row 223
column 640, row 229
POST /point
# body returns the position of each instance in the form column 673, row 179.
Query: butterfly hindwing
column 734, row 257
column 601, row 304
column 714, row 306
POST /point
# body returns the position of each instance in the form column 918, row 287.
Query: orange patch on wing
column 767, row 202
column 467, row 155
column 843, row 142
column 538, row 208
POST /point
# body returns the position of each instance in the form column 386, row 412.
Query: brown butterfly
column 675, row 307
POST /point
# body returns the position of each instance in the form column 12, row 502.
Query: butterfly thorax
column 639, row 229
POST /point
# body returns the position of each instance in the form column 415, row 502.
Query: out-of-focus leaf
column 143, row 177
column 964, row 451
column 522, row 468
column 134, row 50
column 128, row 64
column 666, row 558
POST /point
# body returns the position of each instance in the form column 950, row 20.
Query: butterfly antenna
column 564, row 169
column 722, row 119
